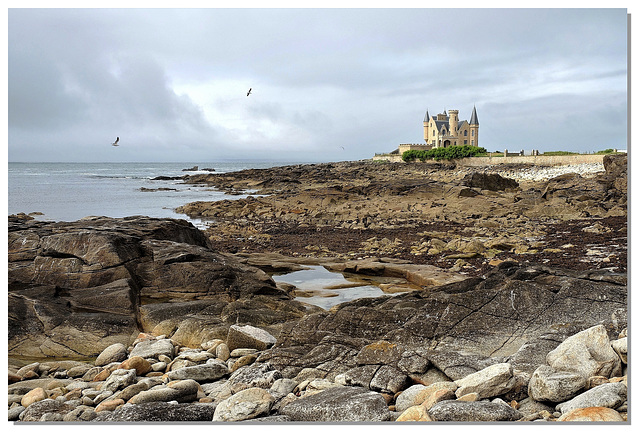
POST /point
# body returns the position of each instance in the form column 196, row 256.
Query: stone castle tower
column 445, row 130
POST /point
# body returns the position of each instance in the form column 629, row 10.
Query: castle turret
column 474, row 126
column 425, row 125
column 453, row 123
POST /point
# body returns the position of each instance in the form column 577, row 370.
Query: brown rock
column 591, row 414
column 109, row 405
column 34, row 395
column 141, row 365
column 417, row 413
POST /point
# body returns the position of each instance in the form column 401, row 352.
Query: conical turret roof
column 474, row 117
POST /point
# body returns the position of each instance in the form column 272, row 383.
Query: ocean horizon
column 71, row 191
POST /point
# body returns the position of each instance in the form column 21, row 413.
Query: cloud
column 172, row 82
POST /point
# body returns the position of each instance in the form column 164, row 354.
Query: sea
column 71, row 191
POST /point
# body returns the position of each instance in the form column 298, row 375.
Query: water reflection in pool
column 325, row 289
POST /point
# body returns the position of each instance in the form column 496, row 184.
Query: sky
column 327, row 84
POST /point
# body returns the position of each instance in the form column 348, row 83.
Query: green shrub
column 449, row 153
column 606, row 151
column 552, row 153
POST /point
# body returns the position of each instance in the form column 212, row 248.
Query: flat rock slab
column 339, row 404
column 472, row 411
column 159, row 412
column 514, row 309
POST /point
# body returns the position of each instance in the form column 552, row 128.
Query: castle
column 445, row 130
column 441, row 130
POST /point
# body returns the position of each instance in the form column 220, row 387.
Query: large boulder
column 248, row 336
column 610, row 395
column 246, row 404
column 489, row 181
column 472, row 411
column 339, row 404
column 492, row 381
column 588, row 353
column 547, row 384
column 159, row 412
column 76, row 288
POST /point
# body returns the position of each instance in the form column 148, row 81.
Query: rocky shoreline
column 517, row 309
column 223, row 381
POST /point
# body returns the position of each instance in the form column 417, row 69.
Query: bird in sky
column 249, row 93
column 116, row 142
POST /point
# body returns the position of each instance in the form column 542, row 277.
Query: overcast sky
column 328, row 84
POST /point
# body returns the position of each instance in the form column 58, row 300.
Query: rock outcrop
column 515, row 314
column 78, row 287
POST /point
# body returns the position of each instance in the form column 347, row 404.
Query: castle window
column 465, row 134
column 473, row 132
column 472, row 142
column 465, row 142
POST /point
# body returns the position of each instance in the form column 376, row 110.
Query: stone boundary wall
column 542, row 160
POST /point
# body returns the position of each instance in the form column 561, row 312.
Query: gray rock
column 103, row 396
column 413, row 362
column 14, row 398
column 408, row 397
column 14, row 412
column 472, row 411
column 388, row 379
column 239, row 352
column 489, row 181
column 246, row 404
column 620, row 347
column 249, row 337
column 37, row 410
column 219, row 391
column 113, row 353
column 181, row 391
column 79, row 371
column 339, row 404
column 152, row 349
column 492, row 381
column 282, row 387
column 360, row 375
column 159, row 367
column 547, row 384
column 610, row 395
column 27, row 368
column 456, row 366
column 418, row 394
column 130, row 391
column 588, row 353
column 210, row 371
column 159, row 412
column 119, row 379
column 81, row 413
column 51, row 417
column 257, row 375
column 529, row 406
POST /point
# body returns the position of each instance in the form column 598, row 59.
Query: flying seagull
column 249, row 93
column 116, row 142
